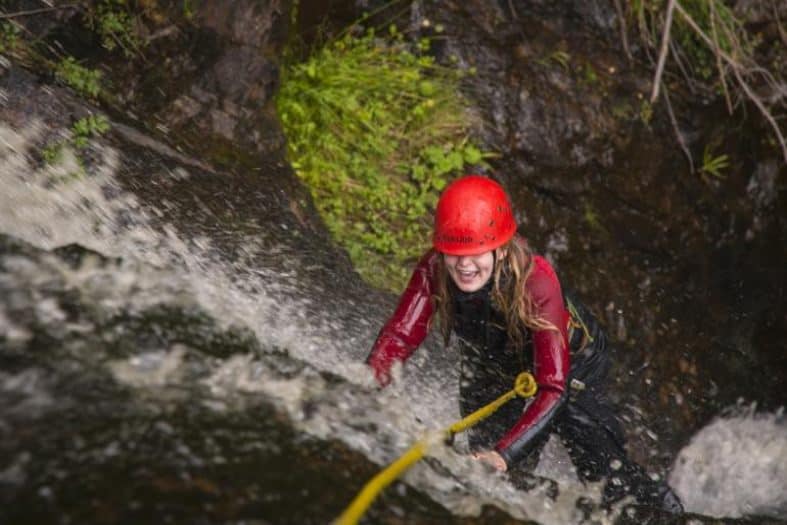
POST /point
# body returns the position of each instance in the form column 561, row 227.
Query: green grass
column 698, row 59
column 376, row 129
column 713, row 165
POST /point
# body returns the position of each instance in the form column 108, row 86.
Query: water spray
column 524, row 386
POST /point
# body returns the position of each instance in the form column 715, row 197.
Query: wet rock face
column 230, row 94
column 534, row 110
column 252, row 215
column 206, row 76
column 122, row 405
column 77, row 440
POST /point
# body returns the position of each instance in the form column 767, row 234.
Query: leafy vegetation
column 561, row 58
column 52, row 153
column 712, row 164
column 87, row 127
column 84, row 80
column 645, row 111
column 114, row 22
column 80, row 134
column 376, row 128
column 9, row 35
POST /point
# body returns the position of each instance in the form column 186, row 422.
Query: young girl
column 510, row 314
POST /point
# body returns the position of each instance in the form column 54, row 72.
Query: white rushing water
column 48, row 206
column 161, row 266
column 735, row 466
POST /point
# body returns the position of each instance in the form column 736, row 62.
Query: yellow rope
column 524, row 386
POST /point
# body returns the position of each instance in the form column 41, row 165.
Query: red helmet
column 473, row 216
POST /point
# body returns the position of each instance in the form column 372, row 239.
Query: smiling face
column 470, row 272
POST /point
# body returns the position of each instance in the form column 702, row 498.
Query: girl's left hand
column 491, row 457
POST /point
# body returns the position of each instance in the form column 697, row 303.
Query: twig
column 736, row 69
column 513, row 10
column 765, row 112
column 623, row 29
column 644, row 30
column 676, row 127
column 665, row 38
column 719, row 65
column 6, row 16
column 680, row 61
column 782, row 32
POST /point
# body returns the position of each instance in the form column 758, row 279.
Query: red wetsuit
column 408, row 327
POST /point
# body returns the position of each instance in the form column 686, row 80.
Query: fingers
column 492, row 458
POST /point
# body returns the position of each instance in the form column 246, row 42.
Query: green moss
column 645, row 111
column 592, row 219
column 589, row 74
column 621, row 109
column 376, row 129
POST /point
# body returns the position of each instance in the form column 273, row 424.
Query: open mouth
column 466, row 276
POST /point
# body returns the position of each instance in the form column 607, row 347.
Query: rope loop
column 525, row 385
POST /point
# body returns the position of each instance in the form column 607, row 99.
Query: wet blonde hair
column 513, row 266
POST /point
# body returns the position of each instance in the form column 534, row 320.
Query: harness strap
column 575, row 322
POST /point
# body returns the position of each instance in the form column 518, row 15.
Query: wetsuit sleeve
column 550, row 361
column 408, row 326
